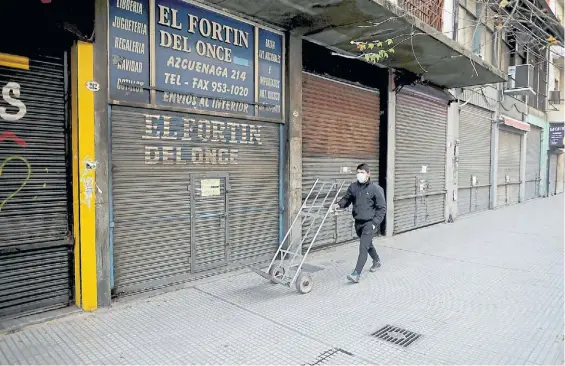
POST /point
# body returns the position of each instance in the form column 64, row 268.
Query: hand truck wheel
column 276, row 272
column 304, row 283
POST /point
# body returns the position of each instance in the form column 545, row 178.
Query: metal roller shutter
column 475, row 126
column 419, row 182
column 340, row 131
column 35, row 246
column 167, row 228
column 533, row 162
column 509, row 151
column 552, row 174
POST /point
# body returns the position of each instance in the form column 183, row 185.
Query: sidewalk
column 487, row 289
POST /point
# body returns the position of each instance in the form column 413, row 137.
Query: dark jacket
column 368, row 201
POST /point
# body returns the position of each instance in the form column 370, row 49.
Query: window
column 477, row 39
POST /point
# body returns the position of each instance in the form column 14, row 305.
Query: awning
column 420, row 48
column 520, row 125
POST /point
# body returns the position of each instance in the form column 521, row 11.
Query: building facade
column 185, row 136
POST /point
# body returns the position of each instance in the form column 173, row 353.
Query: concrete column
column 294, row 127
column 494, row 150
column 84, row 176
column 390, row 160
column 452, row 159
column 101, row 145
column 523, row 152
column 559, row 183
column 494, row 164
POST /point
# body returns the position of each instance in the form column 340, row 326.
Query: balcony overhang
column 529, row 92
column 419, row 48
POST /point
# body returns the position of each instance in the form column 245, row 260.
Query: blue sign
column 270, row 74
column 129, row 50
column 204, row 60
column 556, row 134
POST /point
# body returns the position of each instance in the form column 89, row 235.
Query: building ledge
column 419, row 48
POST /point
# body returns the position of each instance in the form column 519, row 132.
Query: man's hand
column 374, row 227
column 335, row 207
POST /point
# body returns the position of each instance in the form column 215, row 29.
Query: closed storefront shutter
column 191, row 193
column 533, row 161
column 35, row 249
column 509, row 148
column 552, row 174
column 340, row 131
column 474, row 159
column 419, row 181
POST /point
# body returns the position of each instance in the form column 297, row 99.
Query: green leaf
column 367, row 57
column 371, row 46
column 389, row 41
column 391, row 50
column 379, row 44
column 362, row 46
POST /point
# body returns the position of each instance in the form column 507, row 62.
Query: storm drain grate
column 398, row 336
column 330, row 356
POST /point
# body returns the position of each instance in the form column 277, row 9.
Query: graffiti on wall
column 197, row 140
column 11, row 95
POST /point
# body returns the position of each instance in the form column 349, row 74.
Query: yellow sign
column 13, row 61
column 210, row 187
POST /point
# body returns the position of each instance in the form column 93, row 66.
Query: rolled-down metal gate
column 475, row 130
column 509, row 157
column 419, row 181
column 340, row 131
column 533, row 162
column 35, row 246
column 191, row 193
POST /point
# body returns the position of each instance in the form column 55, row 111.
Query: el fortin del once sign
column 185, row 140
column 183, row 56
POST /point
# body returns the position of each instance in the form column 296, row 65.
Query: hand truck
column 286, row 265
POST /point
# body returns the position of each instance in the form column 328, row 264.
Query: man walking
column 369, row 209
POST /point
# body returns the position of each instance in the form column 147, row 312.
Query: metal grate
column 330, row 357
column 398, row 336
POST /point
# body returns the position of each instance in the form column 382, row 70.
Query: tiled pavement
column 487, row 289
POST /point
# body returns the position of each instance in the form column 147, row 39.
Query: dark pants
column 365, row 233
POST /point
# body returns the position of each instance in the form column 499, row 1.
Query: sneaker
column 376, row 265
column 354, row 277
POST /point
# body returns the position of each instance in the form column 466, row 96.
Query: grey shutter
column 474, row 159
column 35, row 251
column 509, row 151
column 152, row 202
column 340, row 131
column 421, row 127
column 533, row 161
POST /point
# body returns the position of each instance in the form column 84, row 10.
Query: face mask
column 361, row 177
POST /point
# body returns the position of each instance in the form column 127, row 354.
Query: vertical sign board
column 129, row 50
column 201, row 60
column 270, row 74
column 556, row 135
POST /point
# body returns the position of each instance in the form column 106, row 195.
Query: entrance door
column 209, row 221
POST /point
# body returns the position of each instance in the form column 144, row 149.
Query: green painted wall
column 539, row 122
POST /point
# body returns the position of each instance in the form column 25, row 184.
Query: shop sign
column 196, row 140
column 556, row 135
column 187, row 56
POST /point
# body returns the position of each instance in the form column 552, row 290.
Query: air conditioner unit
column 555, row 97
column 520, row 80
